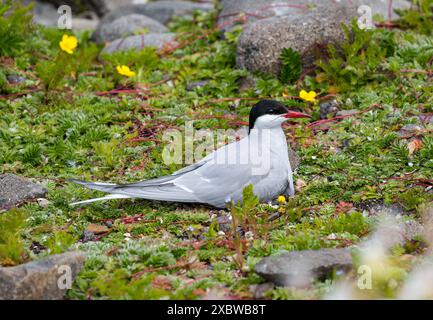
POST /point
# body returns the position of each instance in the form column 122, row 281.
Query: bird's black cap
column 266, row 107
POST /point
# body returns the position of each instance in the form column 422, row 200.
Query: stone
column 45, row 14
column 259, row 291
column 347, row 113
column 15, row 79
column 190, row 86
column 394, row 227
column 393, row 210
column 299, row 268
column 87, row 236
column 306, row 31
column 79, row 6
column 254, row 10
column 154, row 40
column 162, row 11
column 426, row 119
column 329, row 108
column 247, row 83
column 125, row 26
column 409, row 129
column 39, row 280
column 15, row 190
column 84, row 24
column 115, row 4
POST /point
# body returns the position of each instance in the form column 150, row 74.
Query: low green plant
column 357, row 59
column 12, row 246
column 59, row 242
column 290, row 65
column 15, row 27
column 420, row 17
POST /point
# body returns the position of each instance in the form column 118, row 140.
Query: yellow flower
column 282, row 210
column 68, row 43
column 125, row 71
column 281, row 199
column 308, row 96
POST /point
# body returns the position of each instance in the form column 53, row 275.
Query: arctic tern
column 261, row 159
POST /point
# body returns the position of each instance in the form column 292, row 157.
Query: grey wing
column 216, row 181
column 165, row 179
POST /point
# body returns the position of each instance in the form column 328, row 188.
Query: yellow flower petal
column 68, row 43
column 125, row 71
column 281, row 199
column 308, row 96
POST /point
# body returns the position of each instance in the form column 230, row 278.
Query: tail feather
column 165, row 191
column 109, row 197
column 99, row 186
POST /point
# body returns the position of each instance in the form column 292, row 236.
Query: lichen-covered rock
column 254, row 10
column 125, row 26
column 260, row 45
column 162, row 11
column 299, row 268
column 305, row 26
column 15, row 190
column 137, row 42
column 47, row 279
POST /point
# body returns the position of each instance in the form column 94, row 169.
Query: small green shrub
column 290, row 65
column 12, row 245
column 15, row 27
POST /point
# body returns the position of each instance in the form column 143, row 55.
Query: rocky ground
column 364, row 177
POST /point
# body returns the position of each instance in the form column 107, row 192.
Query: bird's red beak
column 294, row 114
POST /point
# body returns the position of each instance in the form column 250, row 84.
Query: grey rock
column 15, row 190
column 224, row 223
column 38, row 280
column 393, row 210
column 125, row 26
column 409, row 128
column 246, row 83
column 15, row 79
column 426, row 119
column 254, row 10
column 162, row 11
column 190, row 86
column 393, row 227
column 260, row 45
column 79, row 6
column 329, row 108
column 298, row 268
column 154, row 40
column 307, row 31
column 346, row 113
column 88, row 236
column 114, row 4
column 260, row 290
column 84, row 24
column 45, row 14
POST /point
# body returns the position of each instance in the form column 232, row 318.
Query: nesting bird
column 259, row 159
